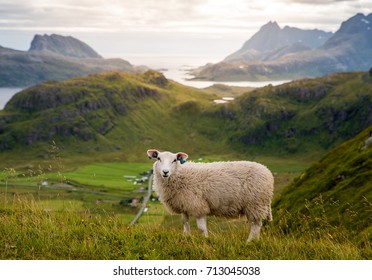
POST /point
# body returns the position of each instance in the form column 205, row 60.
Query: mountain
column 349, row 49
column 336, row 190
column 124, row 114
column 54, row 57
column 66, row 46
column 271, row 38
column 356, row 32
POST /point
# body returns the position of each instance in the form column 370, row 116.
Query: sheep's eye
column 159, row 159
column 174, row 160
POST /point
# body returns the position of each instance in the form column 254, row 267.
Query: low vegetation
column 41, row 223
column 31, row 231
column 337, row 188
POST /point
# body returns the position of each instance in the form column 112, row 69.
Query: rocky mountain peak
column 356, row 24
column 355, row 33
column 271, row 37
column 62, row 45
column 271, row 26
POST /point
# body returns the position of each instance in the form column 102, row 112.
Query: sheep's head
column 166, row 163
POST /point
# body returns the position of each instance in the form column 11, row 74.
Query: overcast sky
column 213, row 28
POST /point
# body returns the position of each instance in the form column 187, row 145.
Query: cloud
column 166, row 25
column 97, row 14
column 318, row 2
column 193, row 16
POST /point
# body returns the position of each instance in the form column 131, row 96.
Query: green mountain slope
column 108, row 112
column 310, row 115
column 127, row 113
column 337, row 189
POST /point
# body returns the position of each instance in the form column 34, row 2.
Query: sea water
column 174, row 67
column 178, row 67
column 6, row 94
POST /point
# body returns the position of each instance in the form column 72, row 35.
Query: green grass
column 90, row 223
column 47, row 223
column 338, row 187
column 222, row 90
column 29, row 231
column 98, row 188
column 109, row 175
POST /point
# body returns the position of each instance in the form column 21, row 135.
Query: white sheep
column 226, row 189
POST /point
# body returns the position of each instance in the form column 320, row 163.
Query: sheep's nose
column 165, row 172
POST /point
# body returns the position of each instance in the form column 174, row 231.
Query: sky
column 128, row 28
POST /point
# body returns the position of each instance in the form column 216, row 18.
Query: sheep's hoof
column 251, row 240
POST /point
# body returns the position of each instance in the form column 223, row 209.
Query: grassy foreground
column 29, row 230
column 89, row 222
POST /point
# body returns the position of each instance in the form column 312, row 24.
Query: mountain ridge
column 54, row 57
column 271, row 38
column 348, row 49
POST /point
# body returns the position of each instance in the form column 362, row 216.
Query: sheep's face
column 166, row 163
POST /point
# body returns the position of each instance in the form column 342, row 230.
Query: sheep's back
column 231, row 187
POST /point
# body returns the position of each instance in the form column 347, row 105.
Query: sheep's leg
column 186, row 223
column 270, row 215
column 255, row 230
column 202, row 225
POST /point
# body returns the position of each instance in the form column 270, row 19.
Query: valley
column 86, row 136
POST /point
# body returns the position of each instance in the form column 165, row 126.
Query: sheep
column 225, row 189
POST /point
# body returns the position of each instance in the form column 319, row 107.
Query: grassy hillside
column 117, row 116
column 222, row 90
column 110, row 116
column 337, row 189
column 304, row 116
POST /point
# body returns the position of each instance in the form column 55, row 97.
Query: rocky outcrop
column 156, row 78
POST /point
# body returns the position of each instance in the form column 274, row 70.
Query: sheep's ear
column 182, row 157
column 152, row 153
